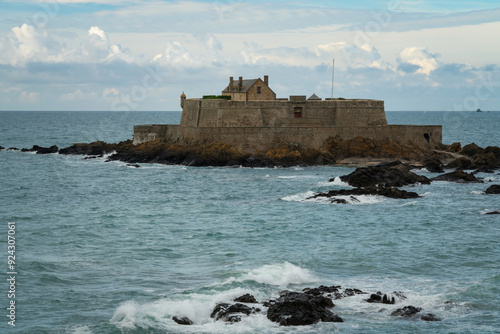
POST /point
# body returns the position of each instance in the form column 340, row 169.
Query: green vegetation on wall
column 216, row 97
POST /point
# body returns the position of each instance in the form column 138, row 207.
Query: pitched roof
column 246, row 84
column 314, row 97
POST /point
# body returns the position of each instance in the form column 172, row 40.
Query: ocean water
column 108, row 248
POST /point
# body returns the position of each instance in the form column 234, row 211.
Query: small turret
column 183, row 98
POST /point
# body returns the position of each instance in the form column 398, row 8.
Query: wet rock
column 298, row 309
column 393, row 174
column 407, row 311
column 471, row 150
column 231, row 313
column 492, row 190
column 2, row 148
column 493, row 213
column 133, row 165
column 390, row 192
column 182, row 321
column 247, row 298
column 378, row 298
column 429, row 317
column 12, row 149
column 98, row 148
column 322, row 290
column 433, row 165
column 42, row 150
column 460, row 163
column 458, row 176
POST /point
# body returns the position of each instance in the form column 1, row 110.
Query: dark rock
column 429, row 317
column 133, row 165
column 2, row 148
column 460, row 163
column 182, row 321
column 455, row 147
column 393, row 174
column 471, row 150
column 231, row 313
column 247, row 298
column 458, row 176
column 493, row 213
column 13, row 149
column 492, row 190
column 95, row 148
column 322, row 290
column 433, row 165
column 45, row 150
column 407, row 311
column 383, row 299
column 380, row 191
column 298, row 309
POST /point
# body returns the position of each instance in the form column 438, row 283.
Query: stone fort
column 248, row 115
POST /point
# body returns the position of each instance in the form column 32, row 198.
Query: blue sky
column 141, row 55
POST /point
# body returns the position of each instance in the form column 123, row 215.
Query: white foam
column 281, row 274
column 302, row 197
column 81, row 330
column 336, row 182
column 477, row 192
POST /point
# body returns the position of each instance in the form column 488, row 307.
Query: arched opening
column 427, row 137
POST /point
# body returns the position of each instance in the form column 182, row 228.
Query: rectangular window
column 258, row 90
column 297, row 112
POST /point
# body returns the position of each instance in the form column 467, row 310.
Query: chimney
column 240, row 84
column 266, row 80
column 231, row 83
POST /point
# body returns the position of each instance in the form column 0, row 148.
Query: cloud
column 418, row 60
column 29, row 97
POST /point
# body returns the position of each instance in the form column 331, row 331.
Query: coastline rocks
column 493, row 190
column 231, row 313
column 247, row 298
column 42, row 150
column 483, row 159
column 299, row 309
column 97, row 148
column 412, row 311
column 2, row 148
column 390, row 192
column 458, row 176
column 334, row 291
column 182, row 321
column 493, row 213
column 433, row 165
column 393, row 174
column 459, row 163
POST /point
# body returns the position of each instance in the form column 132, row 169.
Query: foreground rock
column 412, row 312
column 458, row 176
column 299, row 309
column 232, row 313
column 390, row 192
column 393, row 174
column 493, row 190
column 182, row 321
column 483, row 159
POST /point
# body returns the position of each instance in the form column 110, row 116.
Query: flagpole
column 333, row 71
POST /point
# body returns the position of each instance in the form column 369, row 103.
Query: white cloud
column 76, row 95
column 419, row 57
column 29, row 97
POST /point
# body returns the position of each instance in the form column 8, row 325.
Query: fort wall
column 254, row 139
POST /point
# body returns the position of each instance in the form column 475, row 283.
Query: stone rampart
column 254, row 139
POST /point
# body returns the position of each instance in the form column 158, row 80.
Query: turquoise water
column 107, row 248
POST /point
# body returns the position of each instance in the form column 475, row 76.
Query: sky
column 125, row 55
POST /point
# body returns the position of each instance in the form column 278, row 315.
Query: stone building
column 255, row 120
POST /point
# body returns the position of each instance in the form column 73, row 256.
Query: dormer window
column 259, row 90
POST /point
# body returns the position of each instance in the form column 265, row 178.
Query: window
column 297, row 112
column 258, row 90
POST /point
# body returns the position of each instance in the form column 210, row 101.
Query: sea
column 105, row 247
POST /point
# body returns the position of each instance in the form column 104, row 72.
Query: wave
column 354, row 200
column 336, row 182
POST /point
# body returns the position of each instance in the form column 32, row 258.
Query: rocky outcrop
column 390, row 192
column 493, row 190
column 97, row 148
column 460, row 163
column 433, row 165
column 393, row 174
column 483, row 159
column 299, row 309
column 182, row 321
column 493, row 213
column 412, row 312
column 42, row 150
column 458, row 176
column 232, row 313
column 247, row 298
column 386, row 298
